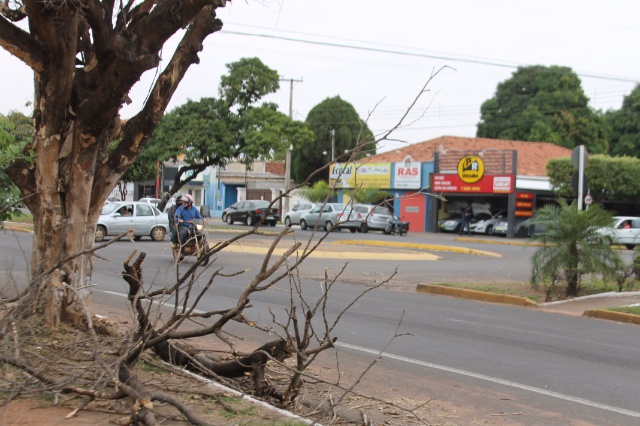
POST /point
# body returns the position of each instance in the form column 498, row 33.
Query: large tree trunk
column 85, row 61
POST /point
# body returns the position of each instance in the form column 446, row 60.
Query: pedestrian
column 171, row 213
column 467, row 215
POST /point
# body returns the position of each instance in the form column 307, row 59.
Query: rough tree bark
column 86, row 57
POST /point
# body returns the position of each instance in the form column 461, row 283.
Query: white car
column 143, row 218
column 625, row 230
column 487, row 226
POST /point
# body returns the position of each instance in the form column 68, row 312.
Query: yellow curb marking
column 322, row 254
column 419, row 247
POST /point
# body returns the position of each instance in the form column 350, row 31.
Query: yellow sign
column 470, row 169
column 360, row 175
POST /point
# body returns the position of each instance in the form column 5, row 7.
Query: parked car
column 625, row 230
column 454, row 221
column 155, row 201
column 521, row 229
column 293, row 216
column 330, row 216
column 251, row 212
column 485, row 226
column 375, row 218
column 118, row 217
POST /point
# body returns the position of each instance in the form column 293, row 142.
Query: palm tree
column 572, row 245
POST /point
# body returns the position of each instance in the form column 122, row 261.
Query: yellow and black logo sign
column 471, row 169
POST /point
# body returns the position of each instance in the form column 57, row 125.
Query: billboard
column 488, row 184
column 360, row 175
column 407, row 174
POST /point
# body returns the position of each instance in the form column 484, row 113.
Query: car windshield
column 110, row 208
column 381, row 210
column 262, row 204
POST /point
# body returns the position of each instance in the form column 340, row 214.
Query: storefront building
column 432, row 179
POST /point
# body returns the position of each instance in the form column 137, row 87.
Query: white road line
column 494, row 380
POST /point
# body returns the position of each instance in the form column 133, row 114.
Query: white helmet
column 188, row 197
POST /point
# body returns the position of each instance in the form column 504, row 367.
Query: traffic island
column 612, row 316
column 475, row 295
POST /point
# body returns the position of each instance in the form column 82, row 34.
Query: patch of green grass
column 635, row 310
column 21, row 217
column 511, row 289
column 145, row 366
column 236, row 406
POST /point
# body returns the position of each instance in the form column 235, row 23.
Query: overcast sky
column 377, row 55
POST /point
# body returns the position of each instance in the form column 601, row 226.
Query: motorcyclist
column 171, row 213
column 184, row 216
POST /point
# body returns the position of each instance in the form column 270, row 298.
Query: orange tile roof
column 532, row 156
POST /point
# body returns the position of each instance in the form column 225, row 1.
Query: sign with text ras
column 489, row 184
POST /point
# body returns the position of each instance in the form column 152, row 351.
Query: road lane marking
column 322, row 254
column 494, row 380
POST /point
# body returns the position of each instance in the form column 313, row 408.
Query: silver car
column 327, row 216
column 374, row 218
column 143, row 218
column 293, row 216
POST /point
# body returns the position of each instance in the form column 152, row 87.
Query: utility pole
column 287, row 164
column 333, row 144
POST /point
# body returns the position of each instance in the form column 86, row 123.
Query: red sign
column 524, row 195
column 489, row 184
column 524, row 213
column 524, row 205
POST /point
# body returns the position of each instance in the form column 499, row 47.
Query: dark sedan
column 251, row 211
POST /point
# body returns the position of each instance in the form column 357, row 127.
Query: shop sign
column 470, row 168
column 407, row 174
column 360, row 175
column 489, row 184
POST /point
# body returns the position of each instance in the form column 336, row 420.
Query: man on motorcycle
column 171, row 213
column 184, row 218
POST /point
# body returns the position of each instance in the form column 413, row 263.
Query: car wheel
column 303, row 224
column 137, row 238
column 490, row 230
column 608, row 241
column 224, row 217
column 101, row 232
column 158, row 233
column 229, row 220
column 364, row 228
column 249, row 221
column 328, row 226
column 273, row 223
column 353, row 230
column 630, row 246
column 287, row 222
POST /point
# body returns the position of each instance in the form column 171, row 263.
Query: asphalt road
column 553, row 368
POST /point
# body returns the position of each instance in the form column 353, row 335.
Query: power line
column 479, row 61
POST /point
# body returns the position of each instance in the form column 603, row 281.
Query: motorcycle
column 397, row 226
column 196, row 245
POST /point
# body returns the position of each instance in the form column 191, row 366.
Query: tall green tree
column 351, row 133
column 571, row 246
column 543, row 104
column 624, row 138
column 234, row 126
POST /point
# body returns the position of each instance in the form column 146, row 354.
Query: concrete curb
column 418, row 246
column 475, row 295
column 16, row 228
column 613, row 316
